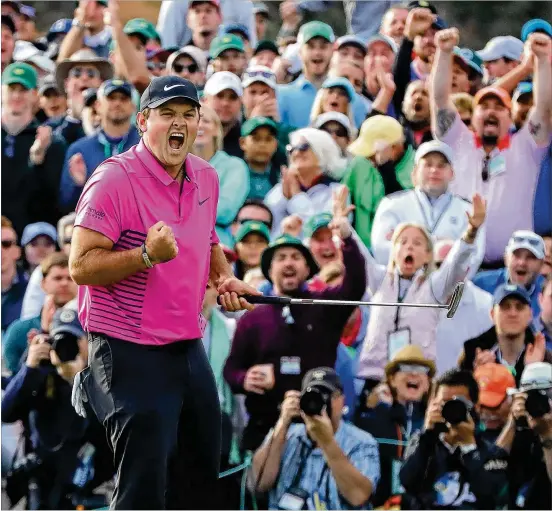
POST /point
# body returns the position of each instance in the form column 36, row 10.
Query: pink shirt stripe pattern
column 123, row 198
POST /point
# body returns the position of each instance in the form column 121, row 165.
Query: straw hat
column 84, row 56
column 410, row 354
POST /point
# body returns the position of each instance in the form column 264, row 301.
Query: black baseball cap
column 421, row 3
column 165, row 88
column 110, row 86
column 324, row 377
column 90, row 95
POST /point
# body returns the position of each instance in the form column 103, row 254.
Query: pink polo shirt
column 509, row 191
column 123, row 198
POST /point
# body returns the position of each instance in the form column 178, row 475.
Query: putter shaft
column 308, row 301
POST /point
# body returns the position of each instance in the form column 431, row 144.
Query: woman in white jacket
column 410, row 277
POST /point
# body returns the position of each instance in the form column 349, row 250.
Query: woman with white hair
column 232, row 172
column 315, row 167
column 411, row 277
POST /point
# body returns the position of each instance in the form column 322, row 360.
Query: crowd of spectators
column 386, row 165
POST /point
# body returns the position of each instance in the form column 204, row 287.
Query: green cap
column 285, row 240
column 22, row 73
column 141, row 27
column 253, row 123
column 470, row 58
column 225, row 42
column 103, row 2
column 252, row 226
column 316, row 222
column 315, row 29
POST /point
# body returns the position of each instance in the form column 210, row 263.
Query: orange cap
column 493, row 380
column 493, row 91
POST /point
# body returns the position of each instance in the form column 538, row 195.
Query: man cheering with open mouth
column 143, row 250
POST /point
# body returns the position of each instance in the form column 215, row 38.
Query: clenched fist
column 418, row 21
column 447, row 39
column 541, row 45
column 161, row 243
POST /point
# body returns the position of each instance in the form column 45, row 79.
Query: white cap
column 261, row 74
column 223, row 80
column 537, row 375
column 351, row 40
column 528, row 240
column 384, row 39
column 336, row 117
column 502, row 46
column 434, row 146
column 291, row 54
column 197, row 55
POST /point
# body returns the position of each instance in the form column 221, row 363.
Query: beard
column 489, row 139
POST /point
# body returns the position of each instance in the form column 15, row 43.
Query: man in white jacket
column 430, row 204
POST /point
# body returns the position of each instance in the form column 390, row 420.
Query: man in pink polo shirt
column 143, row 250
column 502, row 167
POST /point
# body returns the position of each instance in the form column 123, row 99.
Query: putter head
column 455, row 299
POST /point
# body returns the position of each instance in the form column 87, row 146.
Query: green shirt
column 259, row 183
column 366, row 186
column 15, row 343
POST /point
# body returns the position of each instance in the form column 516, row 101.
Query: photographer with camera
column 527, row 436
column 61, row 441
column 322, row 463
column 449, row 465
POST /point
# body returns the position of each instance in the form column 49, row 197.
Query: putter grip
column 266, row 300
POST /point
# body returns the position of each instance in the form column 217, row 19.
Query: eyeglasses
column 8, row 243
column 159, row 66
column 255, row 74
column 77, row 72
column 338, row 132
column 302, row 147
column 485, row 169
column 191, row 68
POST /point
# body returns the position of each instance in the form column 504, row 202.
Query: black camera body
column 65, row 345
column 314, row 399
column 456, row 410
column 537, row 403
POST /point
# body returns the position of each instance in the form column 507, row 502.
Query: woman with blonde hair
column 232, row 172
column 411, row 277
column 336, row 95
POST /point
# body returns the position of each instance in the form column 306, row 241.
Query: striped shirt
column 306, row 468
column 123, row 198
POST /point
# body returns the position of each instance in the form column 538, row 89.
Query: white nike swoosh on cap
column 169, row 87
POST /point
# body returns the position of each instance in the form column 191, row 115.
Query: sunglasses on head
column 153, row 66
column 255, row 74
column 191, row 68
column 303, row 146
column 523, row 239
column 77, row 72
column 8, row 243
column 338, row 132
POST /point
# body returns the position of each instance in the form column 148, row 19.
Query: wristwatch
column 145, row 256
column 546, row 443
column 78, row 23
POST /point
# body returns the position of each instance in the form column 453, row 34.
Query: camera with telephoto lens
column 65, row 345
column 456, row 410
column 537, row 403
column 314, row 399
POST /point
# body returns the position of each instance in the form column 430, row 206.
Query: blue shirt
column 12, row 299
column 295, row 102
column 491, row 279
column 305, row 467
column 95, row 149
column 542, row 210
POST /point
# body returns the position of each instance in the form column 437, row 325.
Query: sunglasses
column 302, row 147
column 153, row 66
column 41, row 242
column 265, row 222
column 256, row 74
column 77, row 72
column 522, row 240
column 191, row 68
column 413, row 368
column 8, row 243
column 485, row 169
column 338, row 132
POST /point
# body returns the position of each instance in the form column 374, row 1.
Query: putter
column 451, row 306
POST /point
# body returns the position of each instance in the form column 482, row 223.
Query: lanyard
column 439, row 218
column 511, row 368
column 305, row 455
column 109, row 148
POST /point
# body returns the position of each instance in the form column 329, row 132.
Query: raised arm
column 74, row 40
column 443, row 111
column 539, row 117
